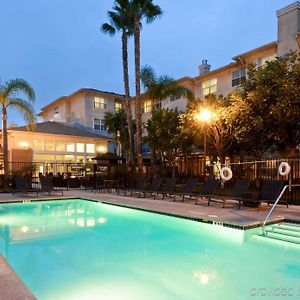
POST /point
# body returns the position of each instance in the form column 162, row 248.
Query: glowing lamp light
column 101, row 149
column 23, row 144
column 204, row 115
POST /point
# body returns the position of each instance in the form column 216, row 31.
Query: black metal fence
column 86, row 176
column 256, row 171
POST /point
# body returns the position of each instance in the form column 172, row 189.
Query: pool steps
column 284, row 232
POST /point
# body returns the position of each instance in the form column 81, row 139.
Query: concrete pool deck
column 244, row 218
column 11, row 286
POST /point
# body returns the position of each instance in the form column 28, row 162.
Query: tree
column 162, row 87
column 117, row 122
column 219, row 130
column 165, row 135
column 265, row 111
column 120, row 20
column 9, row 98
column 159, row 88
column 286, row 112
column 139, row 10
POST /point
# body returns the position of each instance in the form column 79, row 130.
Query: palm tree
column 9, row 98
column 139, row 10
column 162, row 87
column 159, row 89
column 119, row 20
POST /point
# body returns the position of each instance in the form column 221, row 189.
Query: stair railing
column 275, row 204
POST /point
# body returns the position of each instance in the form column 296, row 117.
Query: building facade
column 53, row 142
column 225, row 79
column 84, row 109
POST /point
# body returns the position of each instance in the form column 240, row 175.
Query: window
column 157, row 104
column 175, row 97
column 80, row 147
column 50, row 146
column 43, row 157
column 38, row 145
column 145, row 149
column 70, row 147
column 118, row 106
column 238, row 77
column 100, row 103
column 64, row 158
column 90, row 148
column 99, row 124
column 147, row 106
column 60, row 146
column 209, row 86
column 262, row 61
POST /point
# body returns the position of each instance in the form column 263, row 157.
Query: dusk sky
column 57, row 45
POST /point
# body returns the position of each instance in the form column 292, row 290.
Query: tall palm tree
column 120, row 20
column 140, row 10
column 162, row 87
column 9, row 98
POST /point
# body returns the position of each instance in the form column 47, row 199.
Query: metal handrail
column 275, row 203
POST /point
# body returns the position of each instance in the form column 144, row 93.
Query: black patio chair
column 74, row 183
column 153, row 188
column 167, row 189
column 187, row 190
column 269, row 193
column 47, row 185
column 22, row 186
column 208, row 191
column 139, row 185
column 240, row 187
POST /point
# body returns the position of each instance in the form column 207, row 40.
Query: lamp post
column 204, row 116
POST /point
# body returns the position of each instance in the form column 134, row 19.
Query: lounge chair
column 47, row 185
column 140, row 184
column 74, row 183
column 167, row 188
column 23, row 186
column 208, row 191
column 269, row 193
column 187, row 189
column 153, row 188
column 240, row 187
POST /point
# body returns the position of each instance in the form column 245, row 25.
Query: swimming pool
column 77, row 249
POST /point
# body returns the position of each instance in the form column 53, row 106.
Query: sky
column 57, row 45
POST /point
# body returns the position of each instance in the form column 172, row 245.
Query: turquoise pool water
column 78, row 249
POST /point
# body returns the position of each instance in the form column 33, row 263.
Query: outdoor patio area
column 230, row 216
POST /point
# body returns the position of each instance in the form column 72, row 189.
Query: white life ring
column 284, row 169
column 224, row 171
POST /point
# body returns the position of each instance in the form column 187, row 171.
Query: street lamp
column 204, row 116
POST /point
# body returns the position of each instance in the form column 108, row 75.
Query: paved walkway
column 214, row 213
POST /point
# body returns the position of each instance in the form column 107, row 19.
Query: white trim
column 287, row 9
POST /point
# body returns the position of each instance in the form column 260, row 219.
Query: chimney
column 204, row 67
column 288, row 28
column 12, row 125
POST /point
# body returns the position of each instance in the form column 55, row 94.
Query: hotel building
column 84, row 110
